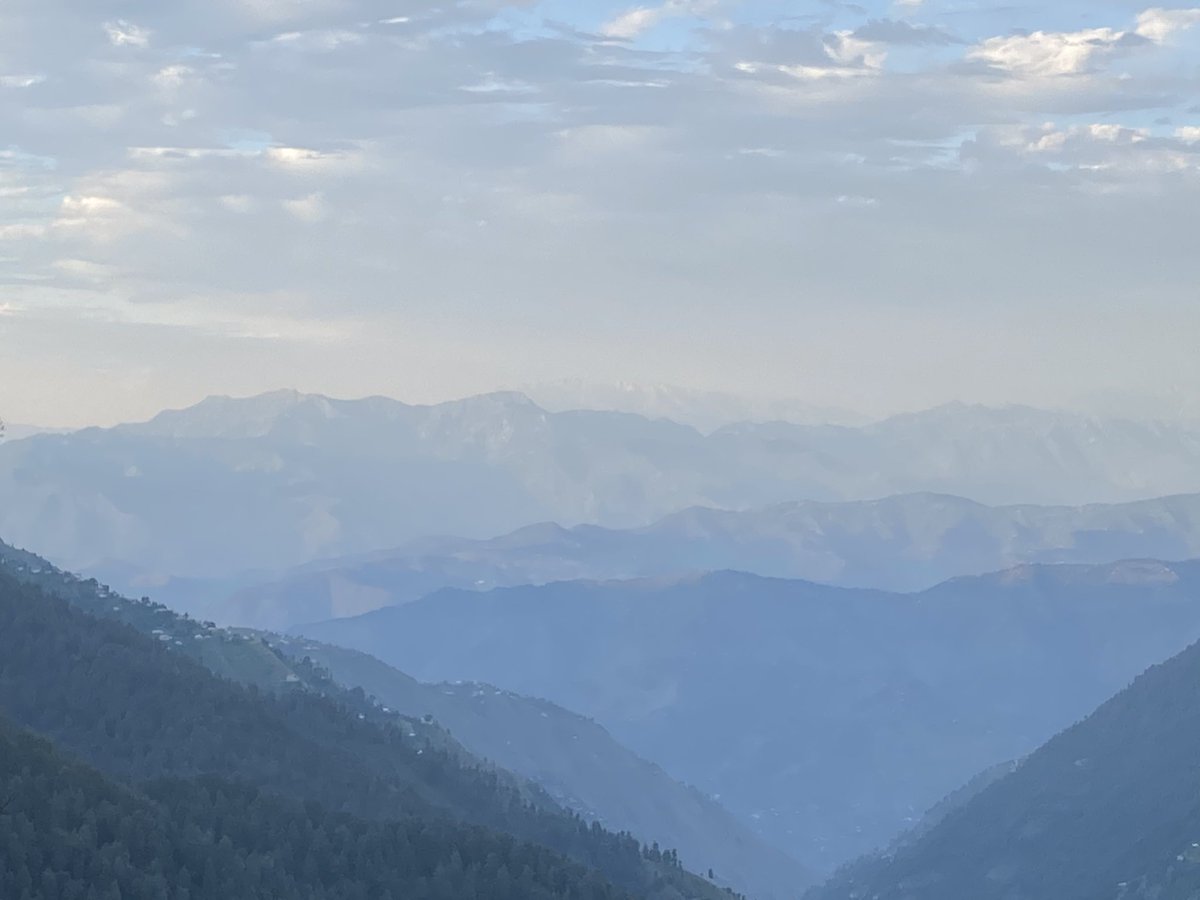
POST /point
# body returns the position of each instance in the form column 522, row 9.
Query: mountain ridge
column 904, row 543
column 313, row 477
column 1105, row 808
column 828, row 718
column 496, row 729
column 62, row 669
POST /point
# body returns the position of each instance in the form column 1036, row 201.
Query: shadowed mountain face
column 312, row 477
column 68, row 831
column 829, row 718
column 900, row 543
column 133, row 689
column 573, row 761
column 1107, row 809
column 580, row 764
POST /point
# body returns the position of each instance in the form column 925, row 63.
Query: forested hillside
column 69, row 833
column 1107, row 810
column 580, row 764
column 139, row 708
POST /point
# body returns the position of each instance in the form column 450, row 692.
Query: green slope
column 1110, row 808
column 68, row 832
column 138, row 705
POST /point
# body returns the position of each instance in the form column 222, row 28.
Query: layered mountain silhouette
column 579, row 763
column 903, row 543
column 1106, row 809
column 274, row 481
column 829, row 718
column 303, row 733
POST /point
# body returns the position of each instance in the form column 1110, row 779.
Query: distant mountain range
column 706, row 411
column 829, row 718
column 903, row 543
column 278, row 480
column 1107, row 809
column 14, row 431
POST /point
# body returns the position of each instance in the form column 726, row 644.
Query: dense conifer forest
column 141, row 711
column 68, row 833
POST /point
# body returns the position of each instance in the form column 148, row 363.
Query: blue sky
column 879, row 206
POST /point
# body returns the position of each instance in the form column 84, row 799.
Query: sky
column 877, row 206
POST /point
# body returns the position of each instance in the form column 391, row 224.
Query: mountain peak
column 494, row 399
column 235, row 417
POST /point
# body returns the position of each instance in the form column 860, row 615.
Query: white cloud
column 843, row 47
column 304, row 159
column 857, row 201
column 821, row 73
column 173, row 77
column 633, row 22
column 83, row 268
column 318, row 40
column 90, row 206
column 20, row 81
column 1117, row 134
column 1159, row 24
column 768, row 160
column 21, row 230
column 126, row 34
column 1050, row 139
column 1043, row 53
column 310, row 209
column 1056, row 53
column 185, row 153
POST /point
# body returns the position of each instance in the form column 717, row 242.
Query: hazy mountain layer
column 581, row 766
column 1107, row 809
column 829, row 718
column 900, row 543
column 278, row 480
column 705, row 411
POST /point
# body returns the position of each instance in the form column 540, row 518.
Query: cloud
column 1159, row 24
column 304, row 158
column 633, row 22
column 310, row 209
column 19, row 230
column 20, row 81
column 504, row 182
column 173, row 77
column 126, row 34
column 851, row 49
column 1047, row 53
column 325, row 40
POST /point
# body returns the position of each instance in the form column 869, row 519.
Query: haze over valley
column 599, row 450
column 775, row 687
